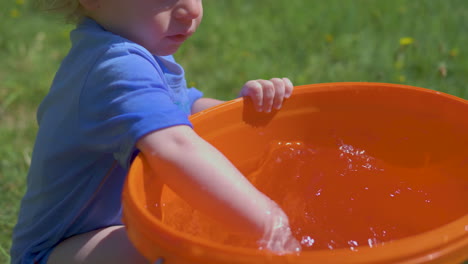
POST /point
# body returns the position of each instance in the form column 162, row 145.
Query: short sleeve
column 193, row 95
column 124, row 98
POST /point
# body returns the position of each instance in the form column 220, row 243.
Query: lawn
column 422, row 43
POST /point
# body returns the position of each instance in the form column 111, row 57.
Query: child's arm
column 201, row 175
column 204, row 103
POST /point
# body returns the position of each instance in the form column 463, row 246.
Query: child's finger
column 268, row 88
column 253, row 89
column 288, row 87
column 279, row 92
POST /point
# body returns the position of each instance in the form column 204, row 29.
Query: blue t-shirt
column 107, row 94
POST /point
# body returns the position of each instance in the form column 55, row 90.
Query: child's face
column 160, row 26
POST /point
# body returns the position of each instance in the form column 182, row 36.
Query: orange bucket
column 421, row 134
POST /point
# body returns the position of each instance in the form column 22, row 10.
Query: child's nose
column 188, row 9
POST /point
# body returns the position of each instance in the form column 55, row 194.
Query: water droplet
column 307, row 241
column 371, row 242
column 331, row 244
column 353, row 243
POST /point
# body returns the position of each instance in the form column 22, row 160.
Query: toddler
column 117, row 93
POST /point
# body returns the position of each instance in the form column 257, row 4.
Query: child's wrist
column 277, row 236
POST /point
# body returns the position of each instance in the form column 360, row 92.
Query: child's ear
column 89, row 5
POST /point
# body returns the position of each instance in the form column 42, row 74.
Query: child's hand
column 278, row 236
column 267, row 94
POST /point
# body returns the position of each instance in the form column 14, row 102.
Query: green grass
column 305, row 40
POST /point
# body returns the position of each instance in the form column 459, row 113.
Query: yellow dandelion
column 399, row 64
column 401, row 78
column 454, row 52
column 406, row 41
column 329, row 38
column 192, row 84
column 14, row 13
column 402, row 9
column 65, row 33
column 19, row 2
column 246, row 54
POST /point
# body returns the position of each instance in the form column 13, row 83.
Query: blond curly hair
column 71, row 9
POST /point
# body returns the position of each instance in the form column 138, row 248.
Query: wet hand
column 278, row 237
column 267, row 94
